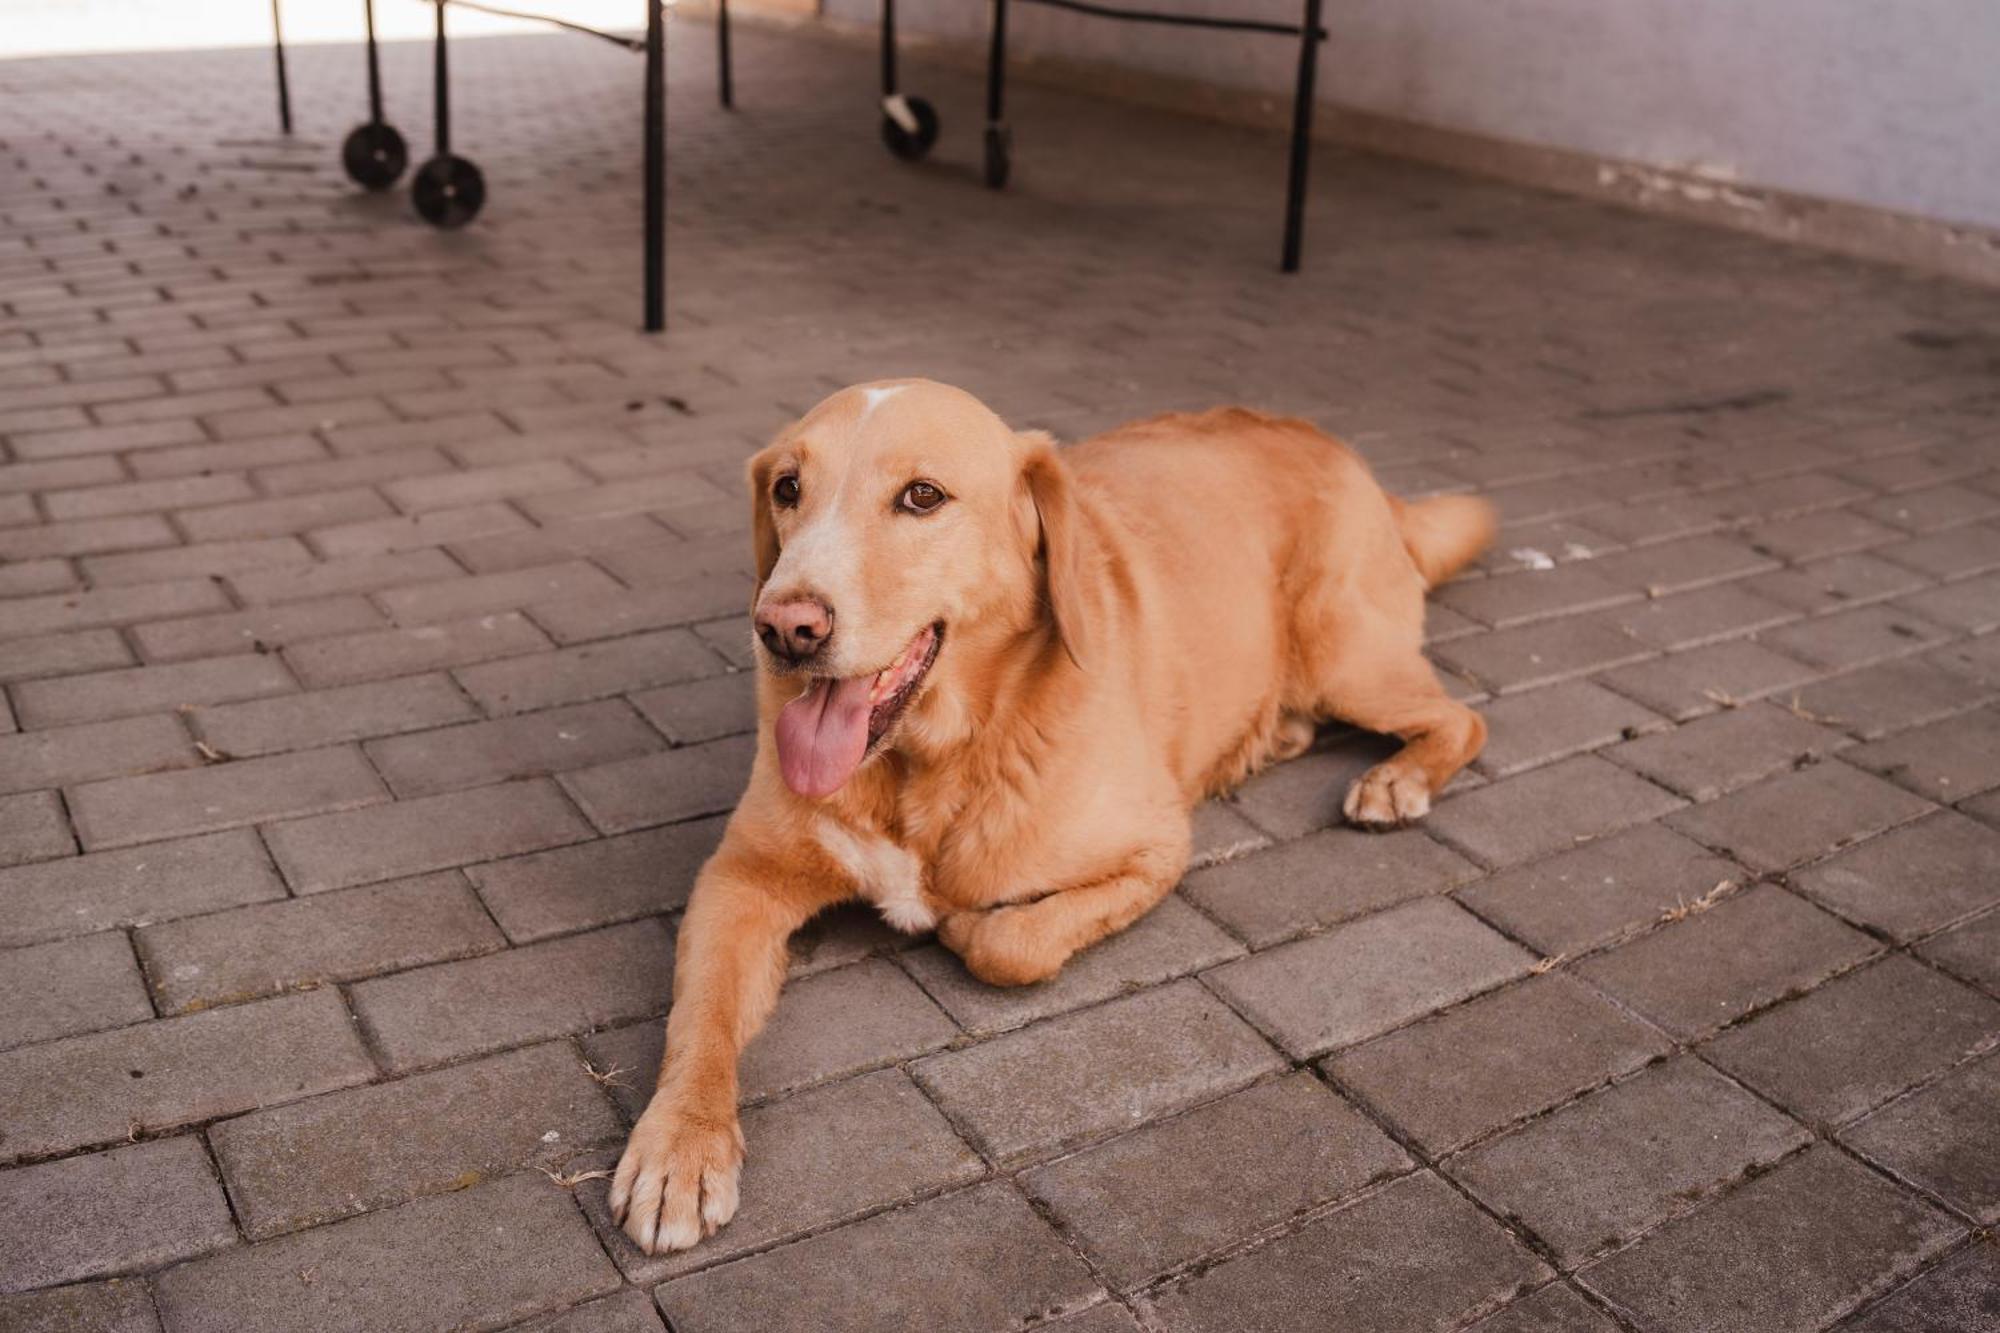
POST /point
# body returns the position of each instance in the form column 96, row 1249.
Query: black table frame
column 908, row 133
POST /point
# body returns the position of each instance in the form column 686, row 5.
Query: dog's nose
column 795, row 630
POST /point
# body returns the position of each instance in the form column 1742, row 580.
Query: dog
column 994, row 679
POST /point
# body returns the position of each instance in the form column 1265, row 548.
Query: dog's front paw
column 1388, row 795
column 1001, row 946
column 677, row 1180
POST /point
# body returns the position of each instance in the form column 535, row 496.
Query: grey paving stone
column 593, row 671
column 1944, row 761
column 990, row 1265
column 1366, row 977
column 226, row 957
column 112, row 606
column 1530, row 655
column 1537, row 727
column 1701, row 680
column 1530, row 595
column 825, row 1027
column 1221, row 834
column 894, row 1146
column 122, row 811
column 1849, row 639
column 664, row 788
column 1972, row 605
column 1717, row 754
column 126, row 1210
column 1554, row 1309
column 1716, row 965
column 1914, row 879
column 701, row 710
column 1070, row 1080
column 33, row 827
column 1294, row 798
column 1605, row 889
column 1971, row 951
column 480, row 1257
column 1548, row 810
column 329, row 1157
column 1690, row 619
column 439, row 1013
column 67, row 700
column 1170, row 941
column 1798, row 816
column 629, row 1311
column 1891, row 696
column 65, row 756
column 70, row 986
column 680, row 603
column 102, row 890
column 1858, row 1040
column 332, row 716
column 1453, row 1078
column 150, row 1077
column 1788, row 1252
column 62, row 654
column 1963, row 1292
column 1322, row 879
column 468, row 597
column 1601, row 1170
column 374, row 654
column 596, row 883
column 122, row 1305
column 1940, row 1137
column 1177, row 1189
column 243, row 631
column 346, row 574
column 430, row 833
column 1841, row 580
column 1414, row 1256
column 529, row 745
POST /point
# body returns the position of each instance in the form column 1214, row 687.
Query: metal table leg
column 284, row 85
column 1302, row 119
column 656, row 167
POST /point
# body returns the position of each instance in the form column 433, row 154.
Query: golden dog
column 996, row 679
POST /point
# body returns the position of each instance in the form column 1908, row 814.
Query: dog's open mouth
column 825, row 733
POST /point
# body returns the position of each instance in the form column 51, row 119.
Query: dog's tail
column 1444, row 534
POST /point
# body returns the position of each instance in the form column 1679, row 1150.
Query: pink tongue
column 822, row 735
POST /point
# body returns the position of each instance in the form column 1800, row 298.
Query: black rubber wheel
column 912, row 147
column 999, row 156
column 374, row 156
column 448, row 191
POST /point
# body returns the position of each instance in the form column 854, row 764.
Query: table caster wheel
column 374, row 155
column 911, row 145
column 448, row 191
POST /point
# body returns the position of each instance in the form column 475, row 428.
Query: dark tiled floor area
column 372, row 647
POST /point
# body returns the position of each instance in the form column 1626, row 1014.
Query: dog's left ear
column 1053, row 491
column 763, row 531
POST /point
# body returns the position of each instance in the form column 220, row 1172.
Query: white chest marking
column 884, row 874
column 876, row 397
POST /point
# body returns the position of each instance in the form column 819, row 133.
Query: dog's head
column 904, row 536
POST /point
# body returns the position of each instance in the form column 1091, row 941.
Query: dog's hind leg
column 1023, row 943
column 1401, row 696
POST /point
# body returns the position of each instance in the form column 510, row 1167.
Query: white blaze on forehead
column 883, row 873
column 873, row 398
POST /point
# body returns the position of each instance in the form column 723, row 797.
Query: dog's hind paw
column 1388, row 796
column 1002, row 946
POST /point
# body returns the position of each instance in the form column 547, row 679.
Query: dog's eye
column 920, row 497
column 785, row 490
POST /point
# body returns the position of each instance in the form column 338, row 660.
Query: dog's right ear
column 1053, row 492
column 763, row 530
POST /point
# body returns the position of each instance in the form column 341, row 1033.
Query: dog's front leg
column 677, row 1179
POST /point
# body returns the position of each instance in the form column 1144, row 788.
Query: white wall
column 1889, row 103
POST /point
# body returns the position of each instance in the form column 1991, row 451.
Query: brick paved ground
column 372, row 647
